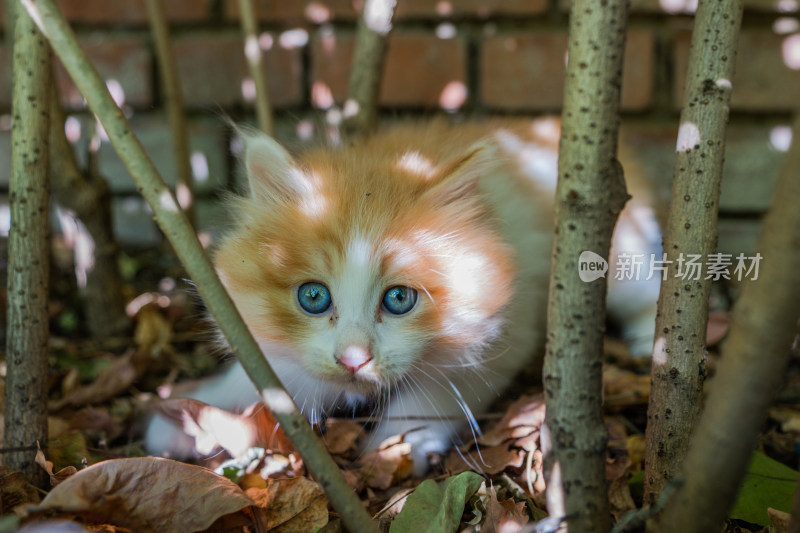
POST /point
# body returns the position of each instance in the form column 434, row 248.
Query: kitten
column 408, row 271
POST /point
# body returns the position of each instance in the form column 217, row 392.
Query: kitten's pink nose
column 354, row 357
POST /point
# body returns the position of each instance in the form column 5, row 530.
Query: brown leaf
column 507, row 516
column 153, row 332
column 622, row 388
column 341, row 436
column 491, row 460
column 96, row 423
column 525, row 416
column 55, row 478
column 147, row 494
column 507, row 444
column 382, row 468
column 115, row 379
column 779, row 519
column 212, row 427
column 291, row 505
column 15, row 490
column 619, row 492
column 394, row 505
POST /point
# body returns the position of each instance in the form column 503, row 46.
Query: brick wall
column 463, row 56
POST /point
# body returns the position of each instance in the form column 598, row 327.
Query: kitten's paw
column 165, row 439
column 423, row 442
column 420, row 454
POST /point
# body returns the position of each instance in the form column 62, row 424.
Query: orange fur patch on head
column 422, row 216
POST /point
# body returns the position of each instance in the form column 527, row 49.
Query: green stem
column 176, row 227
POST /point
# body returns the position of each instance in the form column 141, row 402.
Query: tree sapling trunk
column 28, row 251
column 589, row 197
column 679, row 354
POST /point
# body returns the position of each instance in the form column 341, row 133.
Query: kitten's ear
column 459, row 179
column 271, row 171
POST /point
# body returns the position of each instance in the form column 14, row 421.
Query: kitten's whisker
column 468, row 459
column 429, row 296
column 462, row 404
column 446, row 237
column 477, row 363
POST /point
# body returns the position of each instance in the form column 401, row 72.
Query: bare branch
column 754, row 358
column 28, row 250
column 255, row 60
column 89, row 197
column 679, row 354
column 180, row 234
column 361, row 107
column 173, row 100
column 589, row 197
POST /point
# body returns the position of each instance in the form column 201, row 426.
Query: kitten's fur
column 463, row 214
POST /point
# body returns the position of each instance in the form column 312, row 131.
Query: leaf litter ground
column 251, row 478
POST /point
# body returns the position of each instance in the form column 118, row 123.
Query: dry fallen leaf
column 622, row 388
column 508, row 444
column 507, row 516
column 212, row 427
column 386, row 466
column 488, row 460
column 148, row 494
column 779, row 519
column 114, row 380
column 522, row 418
column 341, row 436
column 291, row 505
column 96, row 423
column 153, row 332
column 788, row 417
column 15, row 489
column 55, row 478
column 619, row 492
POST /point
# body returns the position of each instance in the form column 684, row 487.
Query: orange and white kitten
column 408, row 271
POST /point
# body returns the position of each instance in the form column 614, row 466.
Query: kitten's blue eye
column 399, row 300
column 314, row 297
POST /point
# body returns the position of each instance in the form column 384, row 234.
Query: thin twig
column 183, row 239
column 255, row 60
column 361, row 106
column 173, row 100
column 89, row 197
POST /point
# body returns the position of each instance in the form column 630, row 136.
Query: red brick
column 131, row 11
column 468, row 8
column 419, row 66
column 212, row 68
column 762, row 81
column 124, row 59
column 525, row 71
column 318, row 11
